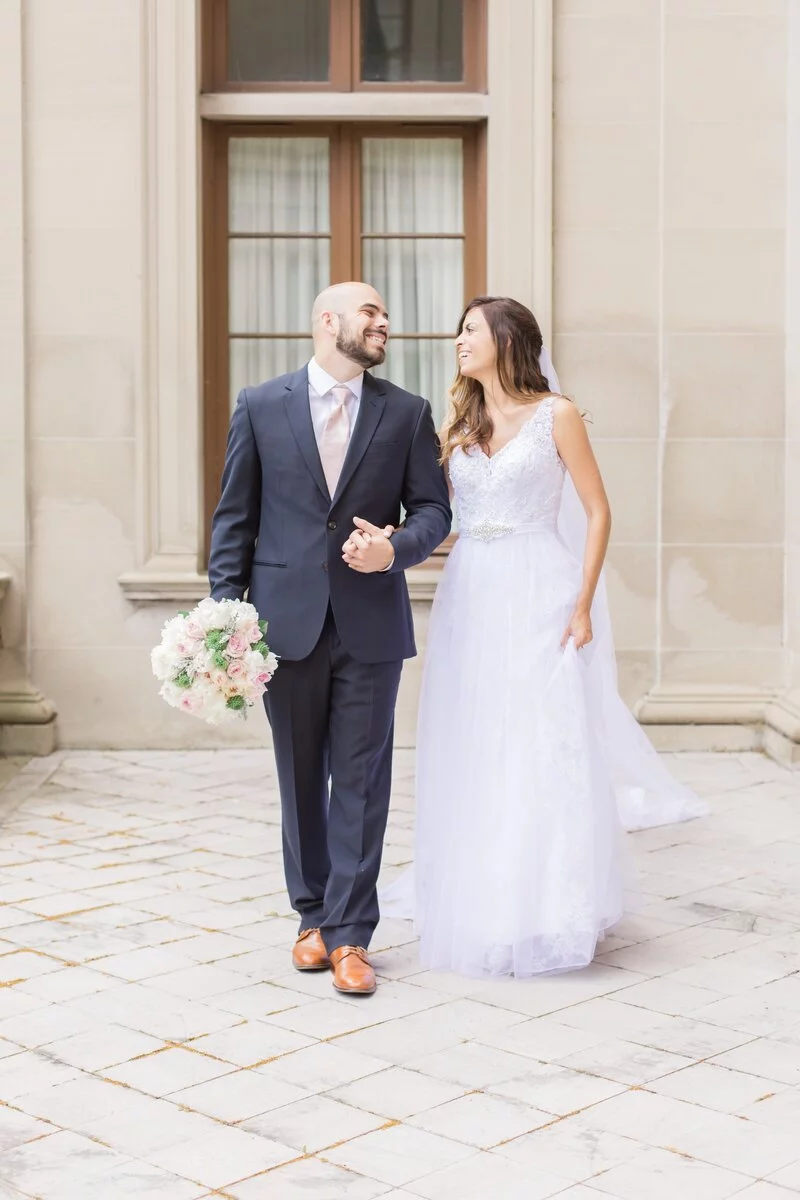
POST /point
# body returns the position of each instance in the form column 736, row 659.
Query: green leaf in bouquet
column 183, row 680
column 236, row 703
column 219, row 660
column 183, row 613
column 215, row 639
column 262, row 625
column 262, row 648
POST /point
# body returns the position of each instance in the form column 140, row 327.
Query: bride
column 529, row 765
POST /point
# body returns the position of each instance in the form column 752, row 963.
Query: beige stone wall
column 13, row 525
column 670, row 308
column 670, row 214
column 787, row 714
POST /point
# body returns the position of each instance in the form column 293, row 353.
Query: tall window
column 294, row 206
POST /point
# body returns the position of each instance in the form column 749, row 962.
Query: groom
column 318, row 465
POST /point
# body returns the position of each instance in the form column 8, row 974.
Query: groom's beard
column 356, row 347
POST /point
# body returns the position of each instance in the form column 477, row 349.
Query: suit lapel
column 370, row 411
column 298, row 410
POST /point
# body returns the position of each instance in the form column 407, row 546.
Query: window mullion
column 341, row 46
column 341, row 204
column 356, row 205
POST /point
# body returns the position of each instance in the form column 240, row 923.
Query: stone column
column 27, row 719
column 782, row 732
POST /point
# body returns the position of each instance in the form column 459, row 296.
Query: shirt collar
column 322, row 382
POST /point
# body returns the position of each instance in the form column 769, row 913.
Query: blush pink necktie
column 335, row 437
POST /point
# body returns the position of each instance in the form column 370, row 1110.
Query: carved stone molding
column 169, row 417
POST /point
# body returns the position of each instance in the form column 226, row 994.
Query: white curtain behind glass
column 280, row 186
column 277, row 186
column 414, row 186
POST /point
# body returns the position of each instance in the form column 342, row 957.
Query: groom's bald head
column 345, row 299
column 350, row 319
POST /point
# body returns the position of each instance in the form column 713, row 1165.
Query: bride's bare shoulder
column 565, row 410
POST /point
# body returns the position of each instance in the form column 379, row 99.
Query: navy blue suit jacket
column 279, row 534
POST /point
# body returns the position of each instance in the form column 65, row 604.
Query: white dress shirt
column 322, row 402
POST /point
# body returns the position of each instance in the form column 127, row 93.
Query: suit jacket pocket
column 263, row 562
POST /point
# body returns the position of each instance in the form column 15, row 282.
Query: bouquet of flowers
column 213, row 662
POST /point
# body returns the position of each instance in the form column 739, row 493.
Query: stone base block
column 28, row 739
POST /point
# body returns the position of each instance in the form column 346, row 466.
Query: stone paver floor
column 154, row 1041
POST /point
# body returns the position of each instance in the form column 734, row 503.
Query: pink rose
column 195, row 631
column 189, row 702
column 237, row 670
column 250, row 633
column 237, row 645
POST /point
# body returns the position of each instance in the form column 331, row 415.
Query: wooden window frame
column 345, row 55
column 346, row 236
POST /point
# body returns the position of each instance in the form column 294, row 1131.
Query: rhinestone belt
column 487, row 531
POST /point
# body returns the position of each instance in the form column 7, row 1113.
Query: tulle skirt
column 529, row 768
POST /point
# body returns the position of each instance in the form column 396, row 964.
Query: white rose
column 212, row 614
column 271, row 663
column 164, row 663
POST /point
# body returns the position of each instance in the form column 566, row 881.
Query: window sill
column 159, row 587
column 344, row 106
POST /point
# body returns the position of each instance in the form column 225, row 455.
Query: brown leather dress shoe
column 309, row 953
column 352, row 972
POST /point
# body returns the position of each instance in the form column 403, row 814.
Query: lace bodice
column 518, row 487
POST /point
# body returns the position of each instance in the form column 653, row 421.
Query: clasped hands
column 368, row 548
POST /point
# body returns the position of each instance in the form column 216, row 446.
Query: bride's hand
column 579, row 629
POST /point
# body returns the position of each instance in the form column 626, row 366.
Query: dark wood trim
column 475, row 43
column 265, row 237
column 216, row 386
column 412, row 237
column 264, row 129
column 341, row 60
column 474, row 214
column 341, row 205
column 208, row 41
column 356, row 134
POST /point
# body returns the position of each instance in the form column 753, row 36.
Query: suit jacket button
column 324, row 566
column 331, row 524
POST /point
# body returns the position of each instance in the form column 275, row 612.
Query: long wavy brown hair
column 518, row 340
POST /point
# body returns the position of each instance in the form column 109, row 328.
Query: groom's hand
column 368, row 548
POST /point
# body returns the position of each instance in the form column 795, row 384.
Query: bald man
column 318, row 465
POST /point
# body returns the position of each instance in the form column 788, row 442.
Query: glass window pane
column 273, row 282
column 420, row 279
column 279, row 185
column 412, row 40
column 285, row 41
column 253, row 360
column 413, row 185
column 425, row 366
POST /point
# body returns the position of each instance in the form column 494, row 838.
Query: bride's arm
column 574, row 448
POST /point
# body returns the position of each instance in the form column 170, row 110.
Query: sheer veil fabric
column 529, row 765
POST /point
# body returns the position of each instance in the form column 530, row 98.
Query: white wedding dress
column 529, row 765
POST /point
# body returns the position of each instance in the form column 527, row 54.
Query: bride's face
column 475, row 345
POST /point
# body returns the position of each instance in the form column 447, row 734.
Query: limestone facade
column 643, row 195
